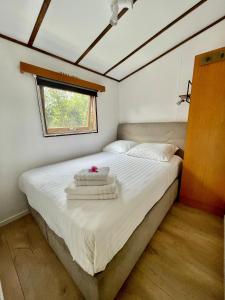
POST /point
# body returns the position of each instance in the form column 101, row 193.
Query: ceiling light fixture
column 116, row 6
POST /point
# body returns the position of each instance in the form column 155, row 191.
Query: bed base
column 105, row 285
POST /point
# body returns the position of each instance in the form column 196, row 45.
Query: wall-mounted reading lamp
column 187, row 96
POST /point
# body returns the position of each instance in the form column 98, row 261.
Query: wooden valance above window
column 61, row 77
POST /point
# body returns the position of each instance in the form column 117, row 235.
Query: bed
column 100, row 241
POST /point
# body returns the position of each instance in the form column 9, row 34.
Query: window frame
column 71, row 88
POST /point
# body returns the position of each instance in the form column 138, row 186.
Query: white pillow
column 154, row 151
column 120, row 146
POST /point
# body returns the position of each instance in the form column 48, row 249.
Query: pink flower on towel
column 93, row 169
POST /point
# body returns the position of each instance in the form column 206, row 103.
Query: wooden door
column 203, row 178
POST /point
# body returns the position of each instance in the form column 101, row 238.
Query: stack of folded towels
column 93, row 184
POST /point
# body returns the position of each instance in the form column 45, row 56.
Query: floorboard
column 183, row 261
column 8, row 274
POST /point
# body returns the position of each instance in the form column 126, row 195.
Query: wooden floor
column 183, row 261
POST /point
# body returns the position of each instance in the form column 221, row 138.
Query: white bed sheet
column 95, row 230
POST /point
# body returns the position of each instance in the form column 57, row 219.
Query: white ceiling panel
column 70, row 26
column 134, row 28
column 203, row 16
column 17, row 17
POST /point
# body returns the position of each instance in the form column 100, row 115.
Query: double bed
column 99, row 241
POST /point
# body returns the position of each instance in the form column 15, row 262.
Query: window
column 66, row 109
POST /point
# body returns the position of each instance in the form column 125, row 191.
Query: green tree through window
column 67, row 112
column 66, row 109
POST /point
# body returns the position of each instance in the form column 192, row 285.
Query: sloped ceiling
column 78, row 31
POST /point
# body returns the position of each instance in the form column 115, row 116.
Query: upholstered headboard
column 165, row 132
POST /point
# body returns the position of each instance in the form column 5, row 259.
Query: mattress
column 95, row 230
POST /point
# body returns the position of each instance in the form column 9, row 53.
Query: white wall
column 149, row 95
column 22, row 145
column 152, row 93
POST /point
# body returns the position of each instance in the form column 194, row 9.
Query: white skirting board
column 14, row 217
column 1, row 292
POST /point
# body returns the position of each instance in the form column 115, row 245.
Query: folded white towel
column 90, row 182
column 92, row 197
column 109, row 188
column 101, row 174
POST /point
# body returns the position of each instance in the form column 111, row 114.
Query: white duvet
column 95, row 230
